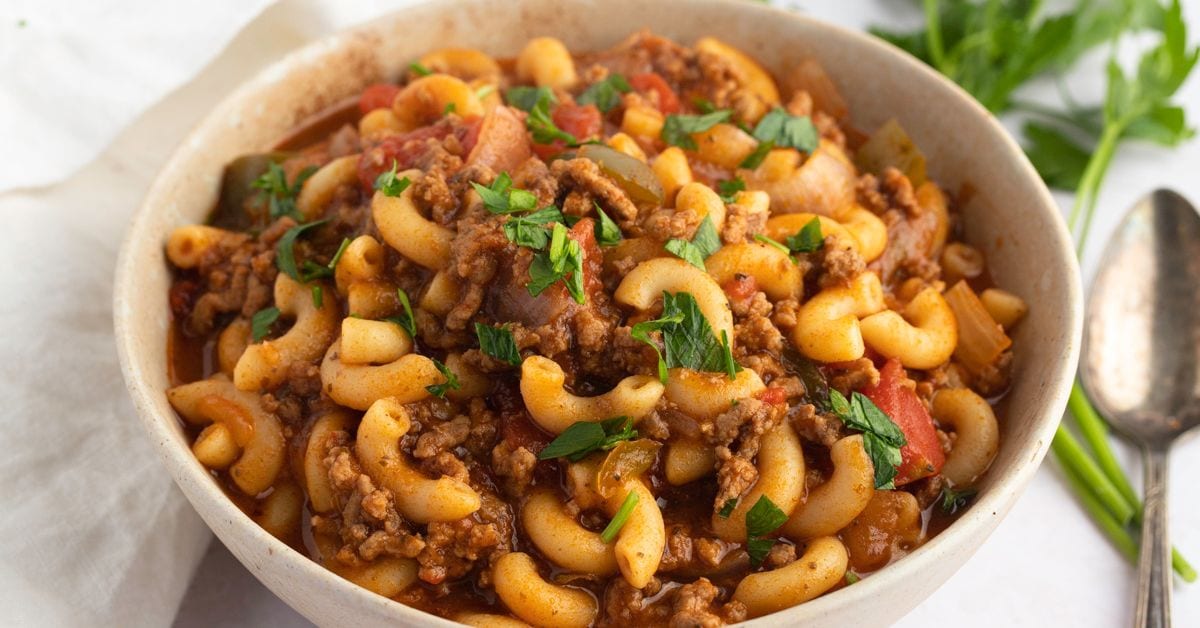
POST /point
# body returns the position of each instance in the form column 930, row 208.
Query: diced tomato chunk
column 377, row 96
column 773, row 395
column 922, row 456
column 740, row 287
column 581, row 121
column 651, row 82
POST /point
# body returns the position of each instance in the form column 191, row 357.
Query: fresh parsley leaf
column 563, row 261
column 530, row 230
column 727, row 508
column 449, row 108
column 678, row 128
column 281, row 197
column 619, row 519
column 607, row 231
column 606, row 93
column 451, row 383
column 755, row 158
column 808, row 239
column 502, row 198
column 582, row 438
column 498, row 343
column 542, row 128
column 758, row 549
column 1056, row 157
column 729, row 189
column 783, row 129
column 704, row 243
column 953, row 501
column 318, row 296
column 406, row 321
column 420, row 70
column 703, row 105
column 261, row 322
column 285, row 249
column 882, row 438
column 526, row 98
column 685, row 251
column 763, row 518
column 774, row 244
column 851, row 578
column 688, row 339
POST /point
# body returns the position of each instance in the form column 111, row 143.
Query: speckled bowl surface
column 1010, row 215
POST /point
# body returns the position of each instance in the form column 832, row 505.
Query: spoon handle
column 1154, row 571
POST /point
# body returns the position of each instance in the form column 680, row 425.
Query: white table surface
column 1046, row 565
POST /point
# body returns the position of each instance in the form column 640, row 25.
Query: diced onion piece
column 891, row 146
column 981, row 339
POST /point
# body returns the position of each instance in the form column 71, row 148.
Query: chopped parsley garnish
column 318, row 296
column 678, row 128
column 755, row 158
column 687, row 337
column 451, row 383
column 502, row 198
column 449, row 108
column 784, row 129
column 882, row 438
column 727, row 508
column 619, row 519
column 953, row 501
column 704, row 105
column 281, row 197
column 311, row 271
column 704, row 243
column 562, row 261
column 406, row 320
column 605, row 94
column 808, row 239
column 498, row 343
column 285, row 250
column 729, row 189
column 763, row 518
column 774, row 243
column 530, row 230
column 607, row 231
column 526, row 98
column 387, row 182
column 260, row 323
column 419, row 69
column 584, row 437
column 485, row 91
column 852, row 578
column 542, row 128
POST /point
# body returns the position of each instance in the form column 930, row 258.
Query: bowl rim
column 965, row 534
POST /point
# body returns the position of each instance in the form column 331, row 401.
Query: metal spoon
column 1141, row 360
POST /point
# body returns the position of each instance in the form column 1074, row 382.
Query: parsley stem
column 1095, row 432
column 1072, row 455
column 1089, row 185
column 1104, row 520
column 933, row 35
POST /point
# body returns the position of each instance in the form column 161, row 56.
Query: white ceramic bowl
column 1010, row 215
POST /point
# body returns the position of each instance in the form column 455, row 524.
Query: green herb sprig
column 582, row 438
column 882, row 438
column 688, row 339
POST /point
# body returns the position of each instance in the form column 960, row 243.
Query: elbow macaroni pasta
column 835, row 503
column 821, row 567
column 978, row 434
column 555, row 409
column 406, row 230
column 780, row 479
column 923, row 337
column 827, row 327
column 265, row 364
column 537, row 601
column 418, row 497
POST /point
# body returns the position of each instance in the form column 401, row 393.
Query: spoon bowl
column 1141, row 359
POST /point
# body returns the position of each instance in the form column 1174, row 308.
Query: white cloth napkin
column 73, row 74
